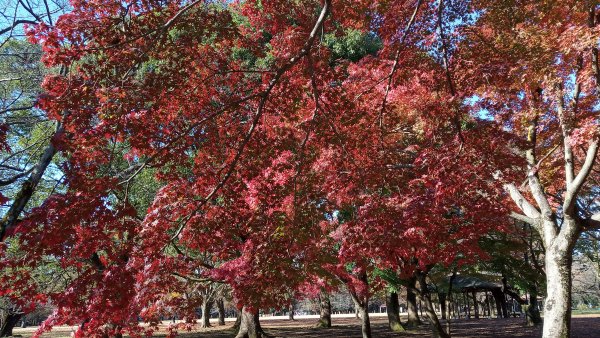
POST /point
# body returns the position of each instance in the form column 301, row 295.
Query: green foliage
column 29, row 129
column 391, row 278
column 353, row 45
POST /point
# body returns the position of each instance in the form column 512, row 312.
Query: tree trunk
column 557, row 309
column 9, row 324
column 28, row 186
column 475, row 304
column 392, row 306
column 362, row 304
column 112, row 331
column 533, row 313
column 501, row 310
column 250, row 325
column 450, row 300
column 206, row 306
column 291, row 311
column 425, row 297
column 442, row 298
column 238, row 321
column 467, row 305
column 488, row 309
column 363, row 310
column 325, row 310
column 221, row 307
column 411, row 303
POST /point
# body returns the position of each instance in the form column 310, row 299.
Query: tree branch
column 523, row 218
column 527, row 208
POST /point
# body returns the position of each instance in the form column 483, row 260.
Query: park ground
column 584, row 326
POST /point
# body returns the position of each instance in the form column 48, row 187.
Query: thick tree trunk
column 363, row 310
column 533, row 313
column 250, row 325
column 557, row 309
column 411, row 303
column 221, row 307
column 425, row 297
column 206, row 306
column 325, row 310
column 9, row 324
column 501, row 310
column 392, row 306
column 475, row 304
column 468, row 305
column 443, row 308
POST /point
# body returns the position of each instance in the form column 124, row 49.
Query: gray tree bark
column 411, row 304
column 392, row 306
column 221, row 307
column 28, row 187
column 9, row 324
column 557, row 309
column 206, row 306
column 291, row 311
column 250, row 325
column 425, row 297
column 362, row 305
column 325, row 310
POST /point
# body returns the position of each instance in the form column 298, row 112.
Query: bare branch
column 586, row 168
column 523, row 218
column 396, row 61
column 527, row 208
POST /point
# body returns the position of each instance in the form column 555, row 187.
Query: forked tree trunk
column 411, row 303
column 425, row 297
column 206, row 306
column 9, row 324
column 250, row 325
column 325, row 310
column 392, row 306
column 221, row 307
column 362, row 304
column 557, row 309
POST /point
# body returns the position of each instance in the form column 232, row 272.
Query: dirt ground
column 583, row 327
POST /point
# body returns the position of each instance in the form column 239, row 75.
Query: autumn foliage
column 281, row 158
